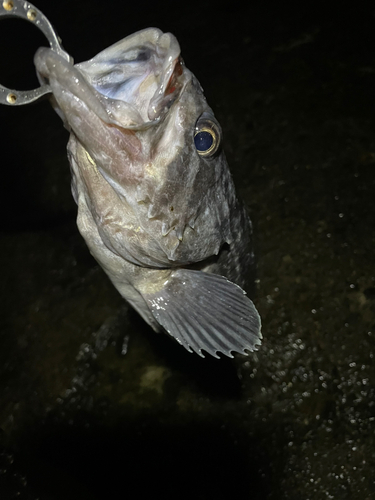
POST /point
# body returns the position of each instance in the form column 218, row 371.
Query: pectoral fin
column 207, row 312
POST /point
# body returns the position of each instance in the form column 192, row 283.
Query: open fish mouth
column 110, row 101
column 132, row 84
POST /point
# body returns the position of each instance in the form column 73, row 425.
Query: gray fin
column 206, row 311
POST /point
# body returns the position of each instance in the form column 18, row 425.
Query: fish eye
column 207, row 136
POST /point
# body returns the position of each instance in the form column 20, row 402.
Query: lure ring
column 28, row 12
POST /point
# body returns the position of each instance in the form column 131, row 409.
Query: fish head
column 138, row 118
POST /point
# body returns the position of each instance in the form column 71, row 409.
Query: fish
column 157, row 205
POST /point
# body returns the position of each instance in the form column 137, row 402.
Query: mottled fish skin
column 161, row 218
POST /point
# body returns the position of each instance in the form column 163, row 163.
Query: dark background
column 293, row 88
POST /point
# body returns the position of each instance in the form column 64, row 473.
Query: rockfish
column 156, row 202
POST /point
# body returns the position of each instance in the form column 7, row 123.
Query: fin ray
column 206, row 311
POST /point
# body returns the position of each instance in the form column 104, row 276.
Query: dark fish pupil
column 203, row 141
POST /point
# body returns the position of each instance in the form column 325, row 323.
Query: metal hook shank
column 28, row 12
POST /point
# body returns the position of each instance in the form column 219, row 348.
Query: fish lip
column 76, row 80
column 64, row 77
column 70, row 79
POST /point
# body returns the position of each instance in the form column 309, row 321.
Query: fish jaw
column 111, row 101
column 86, row 117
